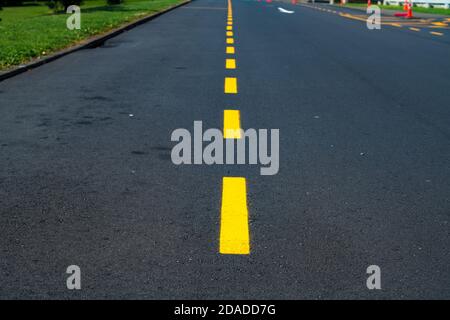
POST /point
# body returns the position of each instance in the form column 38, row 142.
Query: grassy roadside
column 33, row 31
column 440, row 11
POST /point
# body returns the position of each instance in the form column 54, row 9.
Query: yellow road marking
column 230, row 23
column 396, row 25
column 234, row 230
column 229, row 28
column 230, row 40
column 230, row 50
column 436, row 33
column 231, row 124
column 440, row 24
column 230, row 63
column 414, row 29
column 229, row 33
column 230, row 85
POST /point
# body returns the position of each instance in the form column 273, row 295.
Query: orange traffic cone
column 409, row 13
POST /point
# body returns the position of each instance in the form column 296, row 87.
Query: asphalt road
column 86, row 176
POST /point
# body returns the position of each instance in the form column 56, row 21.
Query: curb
column 90, row 43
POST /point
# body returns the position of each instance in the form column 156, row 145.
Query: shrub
column 111, row 2
column 12, row 3
column 57, row 5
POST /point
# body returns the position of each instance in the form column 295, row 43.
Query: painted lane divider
column 231, row 85
column 230, row 63
column 231, row 124
column 234, row 229
column 234, row 225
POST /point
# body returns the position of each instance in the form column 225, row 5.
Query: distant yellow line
column 396, row 25
column 230, row 23
column 229, row 28
column 231, row 124
column 414, row 29
column 440, row 24
column 230, row 85
column 230, row 40
column 230, row 50
column 229, row 33
column 230, row 63
column 437, row 33
column 234, row 229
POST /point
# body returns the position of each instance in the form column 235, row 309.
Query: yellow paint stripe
column 229, row 33
column 229, row 28
column 414, row 29
column 437, row 33
column 230, row 50
column 234, row 229
column 230, row 85
column 230, row 40
column 230, row 64
column 396, row 25
column 230, row 23
column 231, row 124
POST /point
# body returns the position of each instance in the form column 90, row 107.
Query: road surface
column 87, row 179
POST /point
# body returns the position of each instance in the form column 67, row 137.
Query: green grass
column 440, row 11
column 34, row 31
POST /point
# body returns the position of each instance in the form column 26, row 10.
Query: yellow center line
column 234, row 229
column 437, row 33
column 414, row 29
column 229, row 28
column 230, row 40
column 230, row 85
column 230, row 23
column 230, row 50
column 230, row 63
column 231, row 124
column 229, row 33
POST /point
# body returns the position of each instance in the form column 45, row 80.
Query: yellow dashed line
column 414, row 29
column 436, row 33
column 230, row 40
column 229, row 33
column 234, row 229
column 440, row 24
column 231, row 124
column 230, row 50
column 229, row 28
column 230, row 85
column 230, row 63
